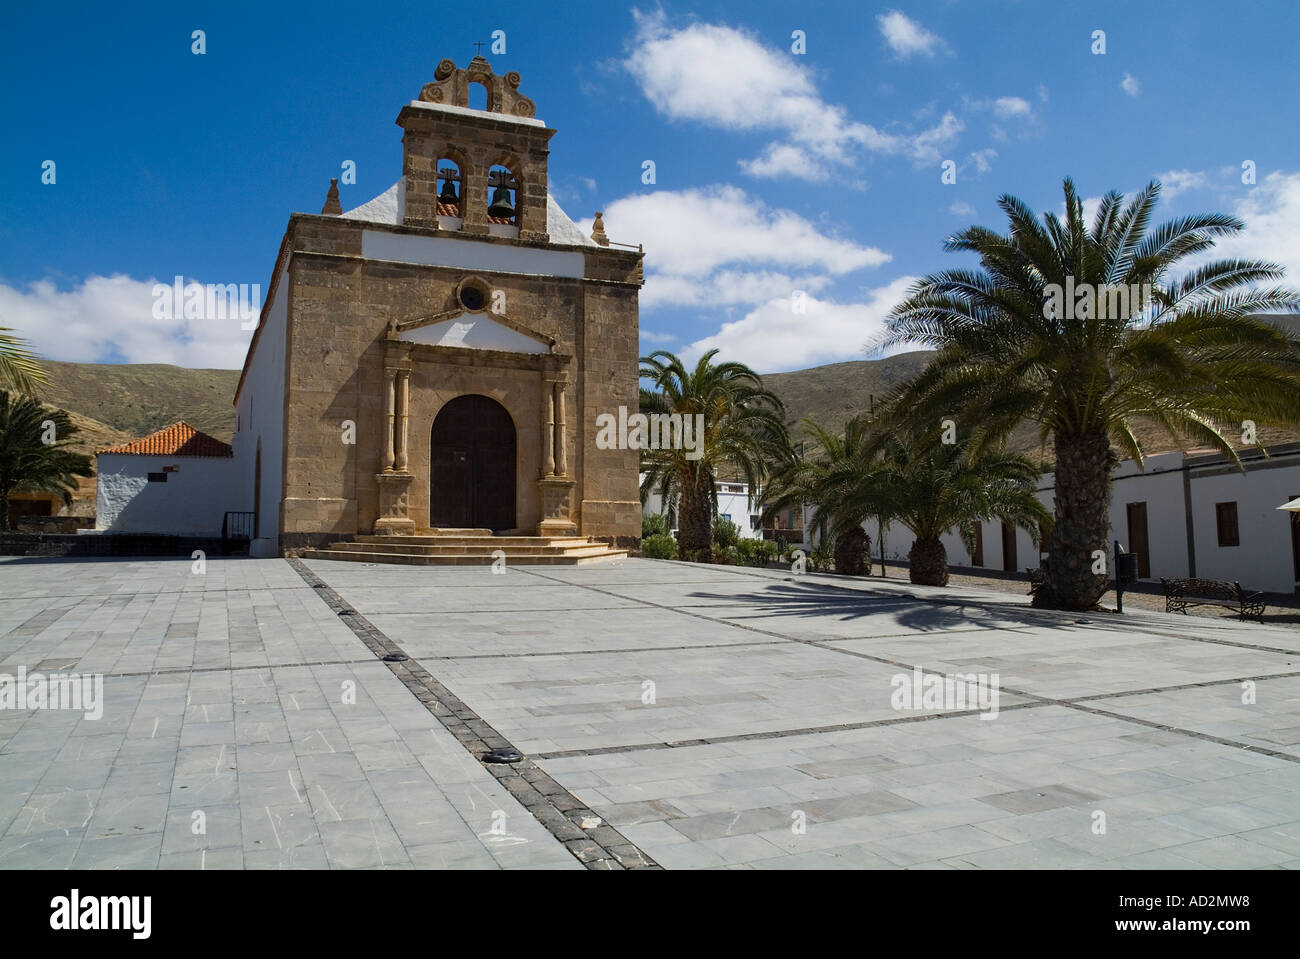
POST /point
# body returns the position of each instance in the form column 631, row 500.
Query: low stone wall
column 63, row 544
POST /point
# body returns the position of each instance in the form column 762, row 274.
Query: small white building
column 1184, row 515
column 175, row 481
column 734, row 504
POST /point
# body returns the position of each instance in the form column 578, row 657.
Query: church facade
column 436, row 357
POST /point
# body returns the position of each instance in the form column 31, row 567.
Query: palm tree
column 34, row 457
column 743, row 431
column 18, row 367
column 931, row 487
column 1186, row 353
column 824, row 481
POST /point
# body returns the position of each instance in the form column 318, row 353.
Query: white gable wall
column 476, row 331
column 192, row 502
column 260, row 410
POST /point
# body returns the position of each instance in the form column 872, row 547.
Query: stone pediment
column 450, row 86
column 475, row 331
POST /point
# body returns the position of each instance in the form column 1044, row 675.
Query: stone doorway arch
column 472, row 465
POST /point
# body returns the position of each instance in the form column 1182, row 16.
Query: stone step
column 493, row 542
column 396, row 545
column 593, row 554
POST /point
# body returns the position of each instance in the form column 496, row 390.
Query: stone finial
column 450, row 85
column 598, row 230
column 332, row 206
column 638, row 275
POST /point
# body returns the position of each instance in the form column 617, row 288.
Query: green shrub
column 822, row 558
column 659, row 546
column 755, row 552
column 725, row 532
column 654, row 524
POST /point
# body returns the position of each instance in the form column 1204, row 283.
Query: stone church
column 436, row 358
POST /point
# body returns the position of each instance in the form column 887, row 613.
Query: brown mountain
column 137, row 399
column 830, row 395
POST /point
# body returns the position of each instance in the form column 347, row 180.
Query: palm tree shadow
column 901, row 611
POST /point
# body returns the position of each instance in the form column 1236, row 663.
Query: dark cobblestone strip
column 596, row 845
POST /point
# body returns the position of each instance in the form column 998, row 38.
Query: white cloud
column 773, row 337
column 1091, row 204
column 110, row 319
column 906, row 37
column 1271, row 212
column 1012, row 107
column 981, row 160
column 720, row 244
column 1130, row 85
column 962, row 208
column 1174, row 182
column 726, row 78
column 660, row 338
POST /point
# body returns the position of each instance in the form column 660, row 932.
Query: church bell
column 448, row 194
column 501, row 206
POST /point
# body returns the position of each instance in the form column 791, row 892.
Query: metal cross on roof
column 478, row 47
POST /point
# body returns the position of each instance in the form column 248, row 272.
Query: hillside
column 137, row 399
column 114, row 403
column 830, row 395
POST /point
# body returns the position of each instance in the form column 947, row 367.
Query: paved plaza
column 670, row 715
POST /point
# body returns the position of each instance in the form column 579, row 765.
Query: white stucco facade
column 260, row 478
column 193, row 500
column 733, row 503
column 1179, row 495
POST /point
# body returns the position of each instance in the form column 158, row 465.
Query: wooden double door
column 472, row 466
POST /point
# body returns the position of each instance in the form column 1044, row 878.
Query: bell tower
column 477, row 172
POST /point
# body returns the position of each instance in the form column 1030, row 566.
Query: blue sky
column 774, row 171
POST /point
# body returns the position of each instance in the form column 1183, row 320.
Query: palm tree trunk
column 4, row 511
column 1083, row 465
column 927, row 562
column 852, row 550
column 695, row 518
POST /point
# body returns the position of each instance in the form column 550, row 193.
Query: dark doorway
column 977, row 558
column 1295, row 539
column 1008, row 547
column 472, row 474
column 1137, row 538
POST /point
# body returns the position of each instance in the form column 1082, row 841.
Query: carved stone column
column 548, row 428
column 403, row 418
column 555, row 486
column 389, row 412
column 561, row 443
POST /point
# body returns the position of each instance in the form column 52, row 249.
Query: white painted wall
column 1160, row 486
column 461, row 254
column 735, row 505
column 260, row 411
column 476, row 331
column 193, row 501
column 1263, row 560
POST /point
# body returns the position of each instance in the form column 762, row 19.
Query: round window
column 472, row 298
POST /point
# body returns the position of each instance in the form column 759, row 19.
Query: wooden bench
column 1181, row 593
